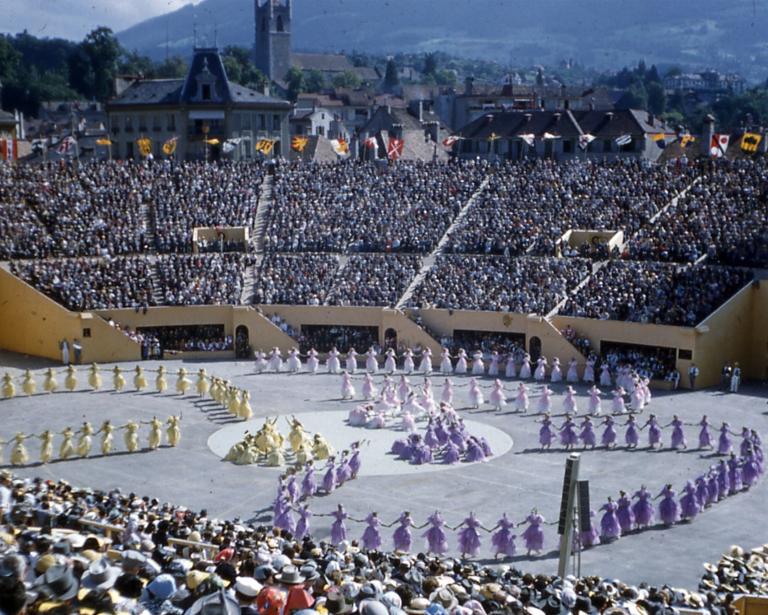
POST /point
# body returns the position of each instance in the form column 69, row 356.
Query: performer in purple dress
column 678, row 435
column 503, row 540
column 302, row 526
column 713, row 485
column 631, row 437
column 610, row 528
column 689, row 502
column 750, row 471
column 474, row 451
column 705, row 436
column 469, row 536
column 587, row 434
column 568, row 435
column 546, row 435
column 723, row 479
column 343, row 471
column 669, row 510
column 654, row 431
column 533, row 534
column 329, row 479
column 338, row 528
column 435, row 535
column 354, row 460
column 724, row 444
column 734, row 474
column 588, row 538
column 451, row 453
column 421, row 452
column 608, row 439
column 643, row 509
column 285, row 520
column 624, row 513
column 372, row 534
column 292, row 487
column 402, row 538
column 746, row 441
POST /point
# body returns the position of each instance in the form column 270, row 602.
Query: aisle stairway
column 262, row 211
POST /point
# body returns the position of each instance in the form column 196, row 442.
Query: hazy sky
column 73, row 19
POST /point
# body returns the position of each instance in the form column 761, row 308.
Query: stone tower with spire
column 273, row 37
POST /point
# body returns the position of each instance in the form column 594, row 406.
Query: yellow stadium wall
column 757, row 364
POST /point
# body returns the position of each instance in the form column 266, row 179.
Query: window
column 567, row 146
column 685, row 355
column 262, row 121
column 276, row 122
column 206, row 91
column 280, row 24
column 246, row 121
column 171, row 122
column 87, row 332
column 156, row 123
column 129, row 150
column 321, row 131
column 128, row 123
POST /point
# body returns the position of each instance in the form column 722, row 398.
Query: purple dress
column 590, row 537
column 338, row 529
column 469, row 536
column 723, row 479
column 713, row 487
column 654, row 432
column 678, row 436
column 285, row 520
column 354, row 463
column 689, row 502
column 610, row 528
column 421, row 454
column 702, row 492
column 435, row 535
column 631, row 436
column 474, row 451
column 302, row 526
column 430, row 437
column 451, row 453
column 440, row 432
column 625, row 515
column 643, row 509
column 669, row 510
column 457, row 438
column 734, row 475
column 372, row 535
column 750, row 471
column 587, row 434
column 746, row 443
column 398, row 446
column 485, row 445
column 568, row 436
column 402, row 537
column 503, row 540
column 705, row 437
column 724, row 444
column 329, row 480
column 545, row 433
column 533, row 534
column 608, row 438
column 292, row 488
column 343, row 471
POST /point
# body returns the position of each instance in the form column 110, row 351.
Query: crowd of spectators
column 206, row 338
column 658, row 293
column 647, row 361
column 529, row 285
column 295, row 279
column 324, row 337
column 374, row 279
column 257, row 570
column 723, row 217
column 527, row 206
column 203, row 279
column 358, row 207
column 486, row 341
column 582, row 343
column 82, row 284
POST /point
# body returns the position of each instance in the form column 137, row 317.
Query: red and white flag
column 719, row 145
column 68, row 145
column 449, row 141
column 370, row 142
column 395, row 148
column 529, row 139
column 9, row 149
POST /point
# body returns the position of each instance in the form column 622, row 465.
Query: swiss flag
column 9, row 149
column 395, row 148
column 719, row 145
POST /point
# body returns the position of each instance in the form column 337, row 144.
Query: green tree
column 314, row 81
column 657, row 99
column 10, row 61
column 93, row 65
column 296, row 85
column 133, row 63
column 391, row 78
column 347, row 79
column 171, row 68
column 430, row 64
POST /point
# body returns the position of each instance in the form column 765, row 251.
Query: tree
column 347, row 79
column 430, row 64
column 171, row 68
column 132, row 63
column 636, row 97
column 10, row 60
column 657, row 99
column 539, row 77
column 93, row 64
column 391, row 78
column 296, row 85
column 314, row 81
column 653, row 75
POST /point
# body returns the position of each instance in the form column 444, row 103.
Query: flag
column 659, row 140
column 145, row 146
column 493, row 137
column 623, row 140
column 213, row 141
column 370, row 142
column 68, row 145
column 686, row 139
column 719, row 145
column 750, row 142
column 9, row 149
column 395, row 148
column 585, row 140
column 169, row 147
column 529, row 139
column 231, row 144
column 340, row 146
column 104, row 141
column 299, row 143
column 449, row 141
column 549, row 135
column 265, row 146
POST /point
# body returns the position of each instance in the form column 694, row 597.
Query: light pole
column 206, row 130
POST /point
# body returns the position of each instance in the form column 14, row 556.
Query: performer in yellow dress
column 66, row 449
column 94, row 377
column 160, row 382
column 86, row 440
column 303, row 455
column 155, row 433
column 183, row 384
column 70, row 380
column 107, row 429
column 173, row 431
column 233, row 401
column 118, row 380
column 245, row 412
column 19, row 456
column 202, row 383
column 28, row 386
column 139, row 380
column 131, row 436
column 320, row 448
column 297, row 436
column 50, row 383
column 9, row 389
column 46, row 446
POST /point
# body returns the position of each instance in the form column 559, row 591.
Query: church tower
column 273, row 37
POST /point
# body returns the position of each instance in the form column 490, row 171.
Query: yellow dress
column 50, row 383
column 320, row 448
column 66, row 450
column 275, row 458
column 245, row 412
column 70, row 380
column 233, row 401
column 303, row 455
column 183, row 384
column 235, row 452
column 94, row 377
column 9, row 390
column 28, row 386
column 139, row 380
column 202, row 383
column 155, row 433
column 46, row 446
column 160, row 383
column 85, row 441
column 173, row 431
column 215, row 389
column 131, row 437
column 296, row 437
column 19, row 456
column 118, row 380
column 106, row 439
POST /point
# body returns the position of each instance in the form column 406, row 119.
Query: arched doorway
column 534, row 348
column 242, row 343
column 390, row 339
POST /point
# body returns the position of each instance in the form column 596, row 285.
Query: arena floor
column 518, row 478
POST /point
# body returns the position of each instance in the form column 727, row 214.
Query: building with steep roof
column 202, row 111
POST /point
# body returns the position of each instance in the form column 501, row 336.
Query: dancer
column 498, row 398
column 541, row 369
column 595, row 403
column 425, row 365
column 408, row 364
column 525, row 367
column 28, row 385
column 654, row 432
column 131, row 436
column 493, row 368
column 155, row 433
column 351, row 361
column 85, row 440
column 573, row 372
column 372, row 534
column 461, row 363
column 469, row 536
column 9, row 389
column 678, row 435
column 446, row 367
column 669, row 512
column 521, row 399
column 631, row 435
column 509, row 371
column 478, row 367
column 608, row 439
column 587, row 434
column 503, row 540
column 589, row 369
column 610, row 528
column 332, row 362
column 94, row 378
column 568, row 436
column 475, row 393
column 313, row 362
column 390, row 365
column 371, row 361
column 605, row 375
column 724, row 444
column 643, row 509
column 303, row 524
column 569, row 401
column 435, row 535
column 546, row 434
column 160, row 382
column 19, row 455
column 402, row 538
column 533, row 534
column 260, row 362
column 173, row 430
column 106, row 441
column 294, row 361
column 556, row 375
column 617, row 405
column 275, row 363
column 139, row 379
column 544, row 404
column 347, row 388
column 689, row 504
column 50, row 385
column 624, row 513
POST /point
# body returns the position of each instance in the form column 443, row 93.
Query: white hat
column 248, row 586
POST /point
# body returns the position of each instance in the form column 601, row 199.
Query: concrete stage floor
column 517, row 479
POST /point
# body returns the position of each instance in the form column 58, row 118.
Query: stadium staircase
column 249, row 281
column 265, row 203
column 429, row 261
column 146, row 225
column 157, row 293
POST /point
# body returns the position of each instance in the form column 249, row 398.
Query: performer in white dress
column 510, row 371
column 573, row 372
column 525, row 367
column 427, row 398
column 261, row 362
column 312, row 361
column 294, row 360
column 493, row 368
column 389, row 363
column 589, row 370
column 605, row 375
column 275, row 360
column 347, row 389
column 544, row 404
column 446, row 367
column 478, row 367
column 446, row 396
column 351, row 360
column 556, row 375
column 371, row 362
column 403, row 389
column 521, row 399
column 498, row 397
column 595, row 403
column 475, row 394
column 408, row 364
column 569, row 401
column 332, row 363
column 541, row 369
column 426, row 361
column 461, row 364
column 617, row 405
column 369, row 388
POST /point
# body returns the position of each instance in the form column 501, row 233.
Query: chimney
column 421, row 111
column 651, row 118
column 609, row 116
column 469, row 84
column 709, row 132
column 556, row 117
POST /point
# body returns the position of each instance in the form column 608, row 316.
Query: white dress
column 573, row 372
column 447, row 394
column 589, row 371
column 541, row 369
column 275, row 360
column 389, row 364
column 521, row 399
column 408, row 364
column 498, row 398
column 595, row 403
column 369, row 388
column 371, row 364
column 332, row 363
column 426, row 361
column 525, row 368
column 261, row 362
column 510, row 371
column 351, row 361
column 461, row 364
column 403, row 389
column 556, row 375
column 347, row 389
column 312, row 361
column 294, row 361
column 569, row 402
column 476, row 398
column 446, row 367
column 493, row 368
column 605, row 375
column 478, row 367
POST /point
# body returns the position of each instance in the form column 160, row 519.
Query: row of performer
column 79, row 443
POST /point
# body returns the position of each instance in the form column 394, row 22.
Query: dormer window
column 206, row 92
